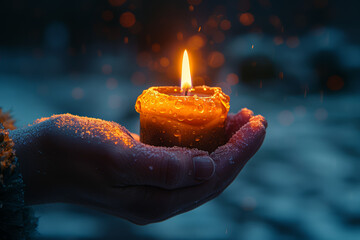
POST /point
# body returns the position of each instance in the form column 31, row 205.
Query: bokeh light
column 127, row 19
column 275, row 21
column 232, row 79
column 77, row 93
column 335, row 83
column 278, row 40
column 225, row 24
column 196, row 42
column 246, row 19
column 216, row 59
column 212, row 22
column 292, row 42
column 321, row 114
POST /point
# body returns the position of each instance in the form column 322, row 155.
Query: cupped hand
column 67, row 158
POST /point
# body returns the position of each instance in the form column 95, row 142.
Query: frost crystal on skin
column 91, row 128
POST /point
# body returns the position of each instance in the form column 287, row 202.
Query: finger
column 229, row 160
column 169, row 168
column 176, row 167
column 235, row 121
column 231, row 157
column 135, row 136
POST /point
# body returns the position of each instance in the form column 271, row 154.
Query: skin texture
column 72, row 159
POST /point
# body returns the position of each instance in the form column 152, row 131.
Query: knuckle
column 172, row 172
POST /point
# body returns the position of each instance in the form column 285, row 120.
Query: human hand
column 97, row 163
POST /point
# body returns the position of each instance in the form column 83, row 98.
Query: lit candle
column 183, row 116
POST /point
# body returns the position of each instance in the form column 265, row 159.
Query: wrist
column 29, row 147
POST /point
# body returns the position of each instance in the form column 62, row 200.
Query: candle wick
column 186, row 90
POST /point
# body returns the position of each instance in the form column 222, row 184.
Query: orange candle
column 183, row 116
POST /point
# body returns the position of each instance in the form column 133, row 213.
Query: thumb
column 235, row 121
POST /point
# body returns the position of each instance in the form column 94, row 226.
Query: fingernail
column 261, row 119
column 204, row 167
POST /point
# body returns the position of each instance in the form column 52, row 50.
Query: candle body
column 167, row 118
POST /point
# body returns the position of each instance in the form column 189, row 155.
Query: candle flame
column 185, row 73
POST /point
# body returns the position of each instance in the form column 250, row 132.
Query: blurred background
column 295, row 62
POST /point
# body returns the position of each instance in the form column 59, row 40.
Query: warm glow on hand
column 185, row 73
